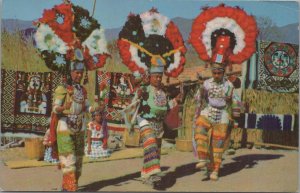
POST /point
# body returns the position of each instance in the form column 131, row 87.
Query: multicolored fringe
column 151, row 152
column 210, row 141
column 71, row 151
column 69, row 182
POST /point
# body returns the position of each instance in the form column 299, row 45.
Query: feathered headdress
column 224, row 35
column 66, row 35
column 151, row 40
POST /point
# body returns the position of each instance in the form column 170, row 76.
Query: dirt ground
column 249, row 170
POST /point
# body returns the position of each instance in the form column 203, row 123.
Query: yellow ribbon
column 154, row 57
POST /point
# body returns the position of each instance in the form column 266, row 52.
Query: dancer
column 228, row 37
column 150, row 43
column 70, row 47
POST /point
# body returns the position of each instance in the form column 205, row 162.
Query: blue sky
column 113, row 13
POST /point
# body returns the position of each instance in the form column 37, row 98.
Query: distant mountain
column 288, row 33
column 291, row 33
column 12, row 25
column 112, row 34
column 184, row 25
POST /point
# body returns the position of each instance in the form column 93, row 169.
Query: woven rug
column 278, row 67
column 20, row 116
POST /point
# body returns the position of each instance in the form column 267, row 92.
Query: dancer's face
column 98, row 118
column 217, row 75
column 155, row 79
column 76, row 76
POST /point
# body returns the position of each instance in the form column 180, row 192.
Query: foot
column 155, row 178
column 152, row 180
column 214, row 176
column 147, row 181
column 201, row 164
column 230, row 152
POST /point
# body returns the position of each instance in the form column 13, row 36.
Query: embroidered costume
column 221, row 36
column 152, row 111
column 70, row 132
column 213, row 119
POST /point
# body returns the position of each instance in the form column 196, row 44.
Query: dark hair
column 237, row 83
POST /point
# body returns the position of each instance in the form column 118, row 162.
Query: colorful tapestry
column 115, row 121
column 13, row 120
column 271, row 122
column 33, row 93
column 102, row 89
column 121, row 91
column 116, row 90
column 278, row 67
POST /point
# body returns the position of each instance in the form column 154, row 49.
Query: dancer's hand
column 139, row 92
column 228, row 99
column 68, row 105
column 179, row 97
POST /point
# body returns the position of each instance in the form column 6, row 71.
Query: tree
column 268, row 29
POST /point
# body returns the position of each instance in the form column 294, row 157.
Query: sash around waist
column 219, row 108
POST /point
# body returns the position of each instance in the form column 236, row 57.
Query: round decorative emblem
column 280, row 59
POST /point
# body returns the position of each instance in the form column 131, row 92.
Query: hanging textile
column 278, row 67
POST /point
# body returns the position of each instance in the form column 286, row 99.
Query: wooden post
column 276, row 145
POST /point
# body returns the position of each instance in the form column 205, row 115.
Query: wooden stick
column 94, row 6
column 167, row 139
column 276, row 145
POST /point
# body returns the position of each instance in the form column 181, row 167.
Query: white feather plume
column 134, row 57
column 46, row 39
column 147, row 22
column 176, row 62
column 96, row 42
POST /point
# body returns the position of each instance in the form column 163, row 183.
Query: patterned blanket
column 278, row 67
column 271, row 122
column 121, row 90
column 117, row 91
column 26, row 101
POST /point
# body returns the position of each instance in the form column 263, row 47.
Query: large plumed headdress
column 151, row 40
column 67, row 35
column 224, row 35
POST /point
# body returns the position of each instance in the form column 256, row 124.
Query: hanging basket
column 132, row 140
column 34, row 148
column 184, row 145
